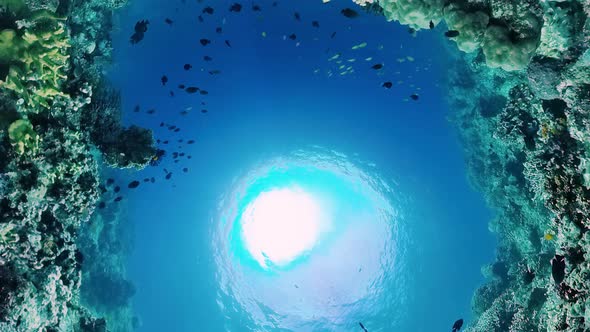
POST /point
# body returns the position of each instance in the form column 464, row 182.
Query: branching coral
column 23, row 137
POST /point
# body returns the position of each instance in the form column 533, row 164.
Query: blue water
column 422, row 237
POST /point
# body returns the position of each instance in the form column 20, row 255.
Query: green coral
column 37, row 56
column 501, row 51
column 416, row 13
column 23, row 137
column 472, row 27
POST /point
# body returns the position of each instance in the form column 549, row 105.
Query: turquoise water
column 402, row 236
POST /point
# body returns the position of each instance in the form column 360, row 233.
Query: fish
column 457, row 325
column 133, row 184
column 171, row 93
column 168, row 21
column 414, row 96
column 200, row 18
column 204, row 92
column 146, row 180
column 110, row 181
column 361, row 45
column 558, row 268
column 207, row 58
column 185, row 170
column 190, row 141
column 140, row 29
column 263, row 34
column 451, row 33
column 297, row 16
column 387, row 85
column 292, row 36
column 204, row 111
column 117, row 189
column 136, row 108
column 227, row 43
column 176, row 130
column 236, row 7
column 181, row 86
column 151, row 111
column 333, row 35
column 164, row 79
column 187, row 66
column 118, row 199
column 377, row 66
column 412, row 31
column 315, row 24
column 548, row 236
column 274, row 3
column 350, row 13
column 218, row 30
column 256, row 8
column 168, row 176
column 431, row 25
column 152, row 180
column 165, row 142
column 204, row 41
column 214, row 72
column 363, row 327
column 102, row 205
column 191, row 89
column 207, row 10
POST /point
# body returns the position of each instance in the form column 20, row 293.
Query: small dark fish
column 168, row 21
column 292, row 36
column 168, row 176
column 207, row 58
column 110, row 181
column 140, row 29
column 181, row 86
column 214, row 72
column 191, row 89
column 187, row 66
column 387, row 85
column 161, row 124
column 452, row 33
column 146, row 180
column 558, row 268
column 102, row 205
column 151, row 111
column 295, row 285
column 164, row 79
column 185, row 170
column 458, row 325
column 208, row 10
column 274, row 3
column 363, row 327
column 200, row 18
column 350, row 13
column 256, row 8
column 181, row 154
column 204, row 92
column 205, row 41
column 218, row 30
column 236, row 7
column 117, row 189
column 315, row 24
column 176, row 130
column 171, row 93
column 152, row 180
column 136, row 108
column 118, row 199
column 184, row 113
column 165, row 142
column 377, row 66
column 431, row 25
column 297, row 16
column 158, row 140
column 414, row 96
column 180, row 140
column 190, row 141
column 189, row 157
column 133, row 184
column 171, row 127
column 204, row 111
column 174, row 155
column 333, row 34
column 227, row 43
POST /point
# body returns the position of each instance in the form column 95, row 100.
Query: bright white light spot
column 281, row 225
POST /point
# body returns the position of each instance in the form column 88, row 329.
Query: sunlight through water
column 309, row 241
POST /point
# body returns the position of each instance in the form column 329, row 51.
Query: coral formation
column 49, row 160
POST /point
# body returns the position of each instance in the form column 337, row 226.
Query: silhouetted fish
column 151, row 111
column 190, row 141
column 200, row 18
column 218, row 30
column 207, row 58
column 214, row 72
column 181, row 86
column 185, row 170
column 140, row 29
column 292, row 36
column 431, row 25
column 414, row 96
column 236, row 7
column 205, row 41
column 333, row 34
column 297, row 16
column 256, row 8
column 207, row 10
column 168, row 176
column 457, row 325
column 191, row 89
column 187, row 66
column 133, row 184
column 117, row 189
column 227, row 43
column 110, row 181
column 168, row 21
column 377, row 66
column 387, row 85
column 164, row 79
column 136, row 108
column 452, row 33
column 118, row 199
column 558, row 268
column 363, row 327
column 315, row 24
column 204, row 92
column 350, row 13
column 102, row 205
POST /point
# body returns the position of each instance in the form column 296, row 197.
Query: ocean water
column 377, row 221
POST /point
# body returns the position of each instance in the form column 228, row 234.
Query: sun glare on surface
column 281, row 225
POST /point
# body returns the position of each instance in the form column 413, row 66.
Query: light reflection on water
column 355, row 271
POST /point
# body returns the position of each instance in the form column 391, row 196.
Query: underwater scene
column 284, row 165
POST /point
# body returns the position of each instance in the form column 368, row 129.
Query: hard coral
column 23, row 137
column 416, row 13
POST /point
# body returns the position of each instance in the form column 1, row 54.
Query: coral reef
column 49, row 160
